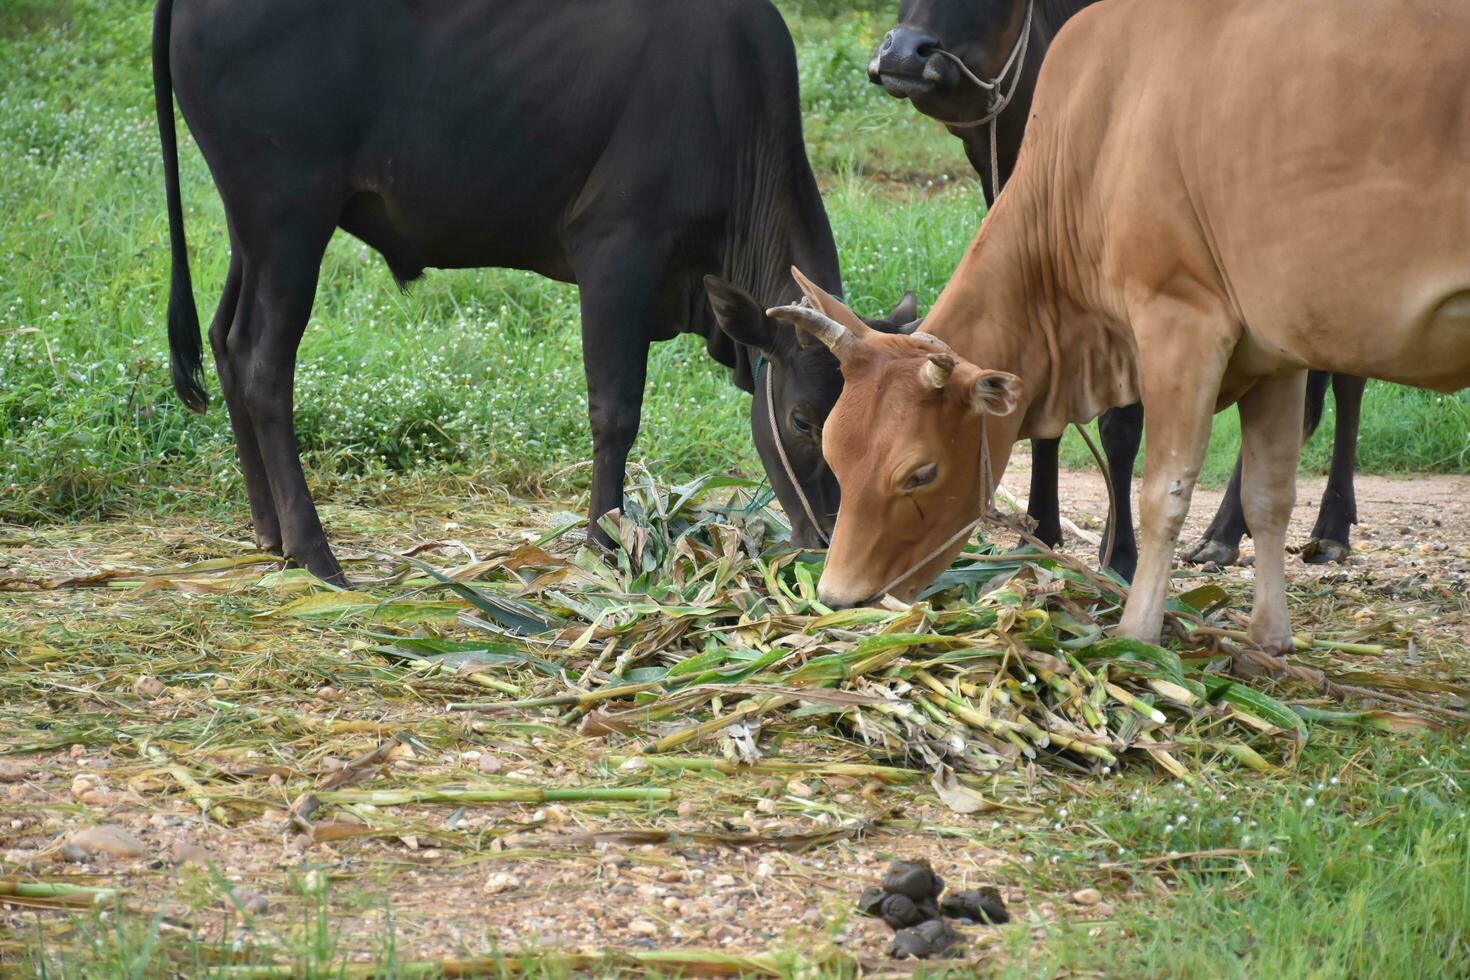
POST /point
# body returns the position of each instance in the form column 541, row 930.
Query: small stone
column 723, row 881
column 502, row 882
column 85, row 783
column 252, row 902
column 12, row 770
column 187, row 852
column 110, row 840
column 488, row 764
column 1087, row 896
column 799, row 789
column 148, row 686
column 642, row 927
column 327, row 693
column 671, row 876
column 687, row 810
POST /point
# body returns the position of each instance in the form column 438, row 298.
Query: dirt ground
column 741, row 863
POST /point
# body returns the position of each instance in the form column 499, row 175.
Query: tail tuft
column 185, row 350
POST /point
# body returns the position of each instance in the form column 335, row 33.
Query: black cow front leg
column 275, row 304
column 1331, row 537
column 617, row 300
column 1122, row 432
column 1042, row 505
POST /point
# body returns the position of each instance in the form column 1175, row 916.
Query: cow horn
column 937, row 369
column 821, row 326
column 929, row 338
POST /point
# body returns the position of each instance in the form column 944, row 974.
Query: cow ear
column 830, row 305
column 995, row 393
column 740, row 316
column 907, row 310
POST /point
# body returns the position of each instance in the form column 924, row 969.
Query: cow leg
column 1331, row 538
column 263, row 519
column 1271, row 444
column 1179, row 391
column 1220, row 544
column 1122, row 431
column 618, row 286
column 279, row 285
column 1041, row 503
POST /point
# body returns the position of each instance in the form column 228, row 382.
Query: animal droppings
column 932, row 938
column 981, row 906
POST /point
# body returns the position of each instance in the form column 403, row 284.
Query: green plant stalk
column 886, row 774
column 403, row 797
column 47, row 889
column 192, row 789
column 715, row 724
column 478, row 679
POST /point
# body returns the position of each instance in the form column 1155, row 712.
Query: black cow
column 950, row 58
column 634, row 147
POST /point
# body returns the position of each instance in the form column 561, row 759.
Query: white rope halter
column 998, row 105
column 786, row 463
column 987, row 489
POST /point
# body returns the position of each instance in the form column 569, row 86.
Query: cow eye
column 800, row 424
column 921, row 477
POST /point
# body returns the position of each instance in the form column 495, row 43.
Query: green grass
column 472, row 374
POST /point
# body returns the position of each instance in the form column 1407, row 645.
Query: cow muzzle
column 908, row 63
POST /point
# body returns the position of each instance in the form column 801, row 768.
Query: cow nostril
column 927, row 50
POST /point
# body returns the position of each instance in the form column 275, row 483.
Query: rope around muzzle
column 1016, row 59
column 786, row 462
column 988, row 512
column 987, row 502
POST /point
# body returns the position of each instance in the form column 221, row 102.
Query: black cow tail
column 1317, row 382
column 185, row 350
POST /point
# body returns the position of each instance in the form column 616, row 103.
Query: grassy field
column 471, row 375
column 427, row 416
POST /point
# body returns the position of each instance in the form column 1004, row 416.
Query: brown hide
column 1212, row 197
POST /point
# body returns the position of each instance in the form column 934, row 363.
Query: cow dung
column 915, row 880
column 982, row 906
column 932, row 938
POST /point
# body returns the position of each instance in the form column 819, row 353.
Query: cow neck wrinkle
column 1016, row 304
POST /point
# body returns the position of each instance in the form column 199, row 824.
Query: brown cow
column 1211, row 198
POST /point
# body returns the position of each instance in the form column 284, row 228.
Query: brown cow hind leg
column 1180, row 385
column 263, row 519
column 279, row 284
column 1332, row 536
column 1271, row 444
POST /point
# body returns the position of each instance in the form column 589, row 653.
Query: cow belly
column 414, row 236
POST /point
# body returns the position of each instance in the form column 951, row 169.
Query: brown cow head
column 904, row 441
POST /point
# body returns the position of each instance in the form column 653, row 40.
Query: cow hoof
column 1209, row 552
column 323, row 564
column 1321, row 551
column 270, row 545
column 1124, row 565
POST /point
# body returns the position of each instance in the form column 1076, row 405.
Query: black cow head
column 804, row 383
column 913, row 60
